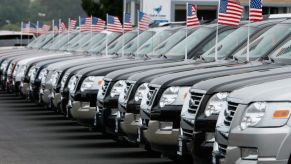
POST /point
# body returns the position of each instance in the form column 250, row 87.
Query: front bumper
column 273, row 145
column 164, row 141
column 83, row 112
column 130, row 125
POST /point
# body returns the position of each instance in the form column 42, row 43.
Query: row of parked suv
column 166, row 92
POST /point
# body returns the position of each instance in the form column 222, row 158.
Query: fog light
column 85, row 105
column 249, row 153
column 167, row 126
column 209, row 137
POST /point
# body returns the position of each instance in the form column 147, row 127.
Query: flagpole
column 37, row 25
column 138, row 28
column 123, row 31
column 68, row 34
column 29, row 30
column 248, row 43
column 53, row 24
column 106, row 48
column 186, row 39
column 21, row 35
column 216, row 39
column 91, row 30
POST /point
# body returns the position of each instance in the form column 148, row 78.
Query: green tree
column 101, row 7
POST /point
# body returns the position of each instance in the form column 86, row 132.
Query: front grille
column 151, row 95
column 127, row 91
column 222, row 149
column 229, row 113
column 195, row 102
column 105, row 87
column 187, row 133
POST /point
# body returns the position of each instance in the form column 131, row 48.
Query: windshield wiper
column 163, row 56
column 146, row 57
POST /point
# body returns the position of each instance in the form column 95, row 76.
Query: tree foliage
column 102, row 7
column 15, row 11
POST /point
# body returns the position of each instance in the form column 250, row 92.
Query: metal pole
column 216, row 39
column 21, row 35
column 186, row 39
column 248, row 44
column 106, row 48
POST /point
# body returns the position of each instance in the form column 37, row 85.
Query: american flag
column 230, row 13
column 29, row 27
column 113, row 24
column 192, row 19
column 143, row 21
column 97, row 24
column 127, row 26
column 62, row 27
column 85, row 24
column 256, row 11
column 72, row 25
column 45, row 28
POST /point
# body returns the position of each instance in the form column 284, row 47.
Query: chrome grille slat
column 151, row 96
column 222, row 149
column 195, row 102
column 229, row 113
column 187, row 132
column 128, row 89
column 105, row 87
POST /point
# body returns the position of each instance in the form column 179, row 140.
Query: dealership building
column 175, row 10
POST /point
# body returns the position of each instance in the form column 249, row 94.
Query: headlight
column 43, row 75
column 54, row 78
column 118, row 87
column 4, row 65
column 64, row 79
column 33, row 74
column 174, row 96
column 216, row 104
column 21, row 71
column 142, row 90
column 72, row 84
column 92, row 83
column 262, row 114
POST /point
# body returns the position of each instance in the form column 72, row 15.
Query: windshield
column 229, row 43
column 283, row 52
column 74, row 41
column 265, row 43
column 137, row 42
column 42, row 40
column 102, row 43
column 165, row 46
column 63, row 41
column 91, row 42
column 118, row 44
column 154, row 42
column 192, row 41
column 53, row 41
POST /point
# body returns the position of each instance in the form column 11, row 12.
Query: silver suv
column 255, row 127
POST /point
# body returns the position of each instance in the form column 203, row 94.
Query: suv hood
column 278, row 90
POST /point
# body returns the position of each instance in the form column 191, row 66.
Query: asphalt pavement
column 31, row 134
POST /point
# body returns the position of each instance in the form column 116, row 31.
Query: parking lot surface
column 31, row 134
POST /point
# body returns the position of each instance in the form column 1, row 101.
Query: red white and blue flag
column 29, row 28
column 256, row 11
column 62, row 27
column 127, row 25
column 72, row 26
column 230, row 13
column 113, row 24
column 85, row 24
column 55, row 27
column 192, row 19
column 143, row 21
column 45, row 29
column 97, row 24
